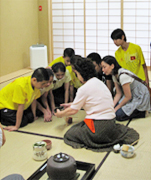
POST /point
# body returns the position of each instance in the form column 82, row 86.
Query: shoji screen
column 68, row 26
column 102, row 17
column 85, row 25
column 137, row 24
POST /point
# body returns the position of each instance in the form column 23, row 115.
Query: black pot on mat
column 61, row 166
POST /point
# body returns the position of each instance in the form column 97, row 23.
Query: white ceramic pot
column 40, row 151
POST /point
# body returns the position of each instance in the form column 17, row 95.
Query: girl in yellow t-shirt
column 68, row 54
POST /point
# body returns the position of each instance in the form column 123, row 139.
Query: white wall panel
column 78, row 12
column 68, row 25
column 67, row 5
column 68, row 32
column 79, row 25
column 68, row 12
column 57, row 25
column 79, row 19
column 57, row 19
column 91, row 46
column 78, row 5
column 58, row 32
column 57, row 44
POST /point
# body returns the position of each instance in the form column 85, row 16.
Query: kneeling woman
column 132, row 98
column 98, row 131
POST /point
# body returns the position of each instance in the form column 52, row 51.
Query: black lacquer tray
column 84, row 171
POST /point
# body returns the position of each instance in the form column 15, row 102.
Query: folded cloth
column 90, row 124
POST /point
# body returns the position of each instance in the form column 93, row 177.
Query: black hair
column 50, row 72
column 85, row 67
column 111, row 60
column 95, row 57
column 74, row 59
column 58, row 67
column 40, row 74
column 68, row 52
column 117, row 34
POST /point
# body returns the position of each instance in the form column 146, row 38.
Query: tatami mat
column 137, row 168
column 18, row 147
column 16, row 154
column 57, row 127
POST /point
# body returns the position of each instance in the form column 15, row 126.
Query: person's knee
column 13, row 177
column 120, row 115
column 119, row 118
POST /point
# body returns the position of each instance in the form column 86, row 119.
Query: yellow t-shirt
column 17, row 92
column 131, row 59
column 74, row 80
column 59, row 59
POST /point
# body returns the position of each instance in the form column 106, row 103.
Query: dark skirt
column 107, row 133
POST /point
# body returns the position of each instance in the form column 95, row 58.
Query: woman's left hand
column 58, row 113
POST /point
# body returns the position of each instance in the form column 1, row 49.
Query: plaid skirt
column 107, row 133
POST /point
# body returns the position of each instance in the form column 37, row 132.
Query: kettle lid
column 61, row 157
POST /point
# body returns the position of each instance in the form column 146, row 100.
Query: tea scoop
column 126, row 147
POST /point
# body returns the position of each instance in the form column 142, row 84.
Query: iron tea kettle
column 61, row 166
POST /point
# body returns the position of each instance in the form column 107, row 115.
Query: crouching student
column 16, row 97
column 45, row 104
column 132, row 98
column 98, row 131
column 66, row 60
column 61, row 79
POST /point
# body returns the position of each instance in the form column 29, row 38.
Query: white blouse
column 124, row 78
column 96, row 99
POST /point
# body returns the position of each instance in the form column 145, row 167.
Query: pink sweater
column 96, row 99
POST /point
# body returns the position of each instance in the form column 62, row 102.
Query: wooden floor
column 16, row 154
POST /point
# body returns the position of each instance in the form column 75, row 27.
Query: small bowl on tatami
column 127, row 150
column 128, row 153
column 48, row 144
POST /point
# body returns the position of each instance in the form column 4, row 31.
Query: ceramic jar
column 40, row 151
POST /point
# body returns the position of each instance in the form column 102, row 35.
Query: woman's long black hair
column 111, row 60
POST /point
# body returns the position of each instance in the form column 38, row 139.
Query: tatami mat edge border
column 37, row 134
